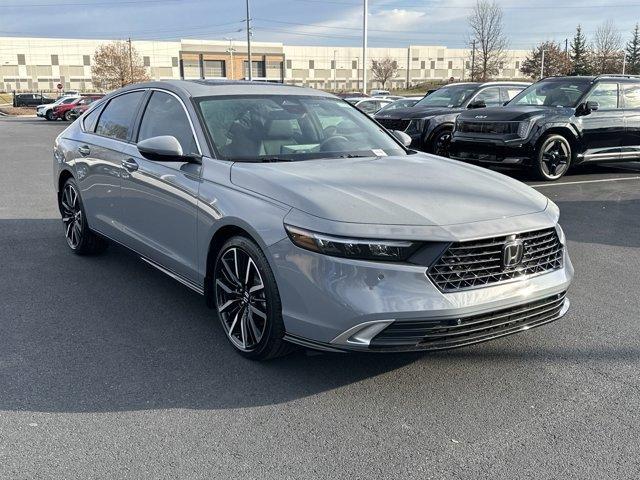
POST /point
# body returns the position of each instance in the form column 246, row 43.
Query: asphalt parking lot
column 108, row 369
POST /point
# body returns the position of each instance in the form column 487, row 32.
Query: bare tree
column 485, row 23
column 384, row 70
column 117, row 64
column 607, row 49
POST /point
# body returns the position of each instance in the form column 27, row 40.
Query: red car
column 63, row 111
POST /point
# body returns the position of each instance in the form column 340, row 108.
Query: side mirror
column 592, row 106
column 477, row 104
column 164, row 148
column 402, row 137
column 587, row 107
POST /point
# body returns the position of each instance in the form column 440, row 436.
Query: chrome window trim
column 108, row 101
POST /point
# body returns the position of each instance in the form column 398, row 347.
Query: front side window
column 606, row 94
column 490, row 96
column 291, row 128
column 553, row 93
column 117, row 117
column 164, row 115
column 631, row 96
column 450, row 96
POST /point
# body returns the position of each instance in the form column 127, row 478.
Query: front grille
column 456, row 332
column 490, row 128
column 394, row 123
column 466, row 265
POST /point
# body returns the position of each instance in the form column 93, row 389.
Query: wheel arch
column 448, row 125
column 64, row 175
column 563, row 131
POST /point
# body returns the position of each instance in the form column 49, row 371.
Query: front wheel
column 441, row 143
column 247, row 300
column 49, row 115
column 553, row 157
column 67, row 116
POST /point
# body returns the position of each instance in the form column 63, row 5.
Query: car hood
column 416, row 189
column 514, row 113
column 416, row 112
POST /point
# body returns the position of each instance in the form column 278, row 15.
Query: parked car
column 46, row 109
column 555, row 123
column 430, row 121
column 302, row 222
column 30, row 99
column 378, row 92
column 351, row 95
column 404, row 102
column 78, row 111
column 369, row 105
column 63, row 110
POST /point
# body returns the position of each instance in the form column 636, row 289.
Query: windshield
column 398, row 104
column 555, row 93
column 291, row 128
column 450, row 96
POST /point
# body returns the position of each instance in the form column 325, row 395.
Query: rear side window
column 511, row 92
column 165, row 115
column 90, row 120
column 117, row 118
column 632, row 96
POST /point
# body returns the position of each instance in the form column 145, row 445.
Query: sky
column 392, row 23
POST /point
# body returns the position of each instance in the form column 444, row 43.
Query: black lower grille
column 456, row 332
column 466, row 265
column 394, row 123
column 490, row 128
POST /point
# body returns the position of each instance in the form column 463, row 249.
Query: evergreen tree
column 580, row 54
column 633, row 53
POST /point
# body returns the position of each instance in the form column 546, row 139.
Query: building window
column 174, row 61
column 450, row 64
column 501, row 65
column 423, row 64
column 289, row 64
column 354, row 64
column 146, row 61
column 86, row 60
column 191, row 68
column 311, row 64
column 467, row 64
column 214, row 69
column 333, row 64
column 257, row 68
column 433, row 65
column 54, row 60
column 21, row 59
column 517, row 65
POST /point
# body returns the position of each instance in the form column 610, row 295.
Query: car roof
column 208, row 88
column 593, row 78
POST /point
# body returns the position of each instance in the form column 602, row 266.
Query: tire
column 49, row 115
column 553, row 157
column 248, row 302
column 440, row 143
column 80, row 239
column 67, row 116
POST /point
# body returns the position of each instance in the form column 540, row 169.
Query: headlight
column 362, row 249
column 417, row 125
column 525, row 126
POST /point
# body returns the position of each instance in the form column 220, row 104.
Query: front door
column 603, row 129
column 631, row 104
column 159, row 199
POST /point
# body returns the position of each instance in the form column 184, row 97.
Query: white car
column 46, row 110
column 369, row 105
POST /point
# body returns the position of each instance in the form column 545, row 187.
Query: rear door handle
column 84, row 150
column 130, row 164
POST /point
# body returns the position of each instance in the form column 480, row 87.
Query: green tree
column 555, row 61
column 580, row 54
column 633, row 53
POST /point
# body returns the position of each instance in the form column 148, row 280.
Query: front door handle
column 130, row 164
column 84, row 150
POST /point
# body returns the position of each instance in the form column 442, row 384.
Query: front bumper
column 495, row 151
column 338, row 304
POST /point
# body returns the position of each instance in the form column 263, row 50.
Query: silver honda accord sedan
column 303, row 221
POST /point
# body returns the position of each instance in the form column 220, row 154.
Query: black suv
column 555, row 123
column 430, row 121
column 30, row 99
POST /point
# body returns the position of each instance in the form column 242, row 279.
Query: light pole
column 249, row 42
column 231, row 49
column 335, row 67
column 542, row 65
column 624, row 62
column 364, row 46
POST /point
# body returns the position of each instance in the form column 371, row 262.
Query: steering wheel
column 333, row 144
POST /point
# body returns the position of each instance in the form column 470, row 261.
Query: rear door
column 102, row 147
column 631, row 105
column 603, row 129
column 160, row 198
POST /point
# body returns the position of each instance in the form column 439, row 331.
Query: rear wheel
column 81, row 240
column 67, row 116
column 49, row 115
column 441, row 143
column 247, row 300
column 553, row 157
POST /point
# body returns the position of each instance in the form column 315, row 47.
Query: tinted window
column 606, row 94
column 117, row 117
column 67, row 101
column 164, row 115
column 449, row 96
column 632, row 96
column 511, row 92
column 553, row 93
column 490, row 96
column 90, row 120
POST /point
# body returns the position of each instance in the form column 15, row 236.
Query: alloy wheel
column 555, row 158
column 72, row 216
column 441, row 146
column 240, row 298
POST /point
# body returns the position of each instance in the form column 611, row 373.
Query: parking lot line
column 584, row 181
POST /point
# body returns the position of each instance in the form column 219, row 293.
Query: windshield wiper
column 275, row 159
